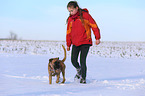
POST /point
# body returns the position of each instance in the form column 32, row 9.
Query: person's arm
column 95, row 28
column 68, row 35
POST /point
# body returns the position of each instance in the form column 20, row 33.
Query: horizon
column 1, row 39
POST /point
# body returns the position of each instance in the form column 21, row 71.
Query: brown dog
column 55, row 67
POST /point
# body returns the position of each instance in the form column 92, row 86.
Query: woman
column 79, row 25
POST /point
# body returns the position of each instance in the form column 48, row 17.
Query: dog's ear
column 50, row 60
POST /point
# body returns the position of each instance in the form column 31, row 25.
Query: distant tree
column 13, row 36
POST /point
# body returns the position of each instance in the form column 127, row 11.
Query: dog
column 56, row 66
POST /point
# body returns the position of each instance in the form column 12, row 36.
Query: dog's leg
column 50, row 79
column 58, row 76
column 63, row 74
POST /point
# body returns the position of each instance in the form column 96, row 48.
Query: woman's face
column 72, row 10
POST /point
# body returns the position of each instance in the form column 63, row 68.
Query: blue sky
column 118, row 20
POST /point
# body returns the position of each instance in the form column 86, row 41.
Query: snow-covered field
column 128, row 50
column 114, row 69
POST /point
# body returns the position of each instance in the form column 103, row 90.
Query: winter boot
column 83, row 81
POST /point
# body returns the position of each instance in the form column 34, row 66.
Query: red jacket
column 79, row 33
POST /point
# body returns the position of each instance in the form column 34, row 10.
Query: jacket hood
column 86, row 10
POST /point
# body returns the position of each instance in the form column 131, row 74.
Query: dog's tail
column 64, row 53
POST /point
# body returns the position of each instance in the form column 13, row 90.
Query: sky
column 118, row 20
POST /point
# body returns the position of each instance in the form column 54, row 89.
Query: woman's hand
column 68, row 48
column 97, row 42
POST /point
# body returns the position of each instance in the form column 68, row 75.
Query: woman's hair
column 74, row 4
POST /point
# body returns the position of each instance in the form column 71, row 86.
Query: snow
column 113, row 69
